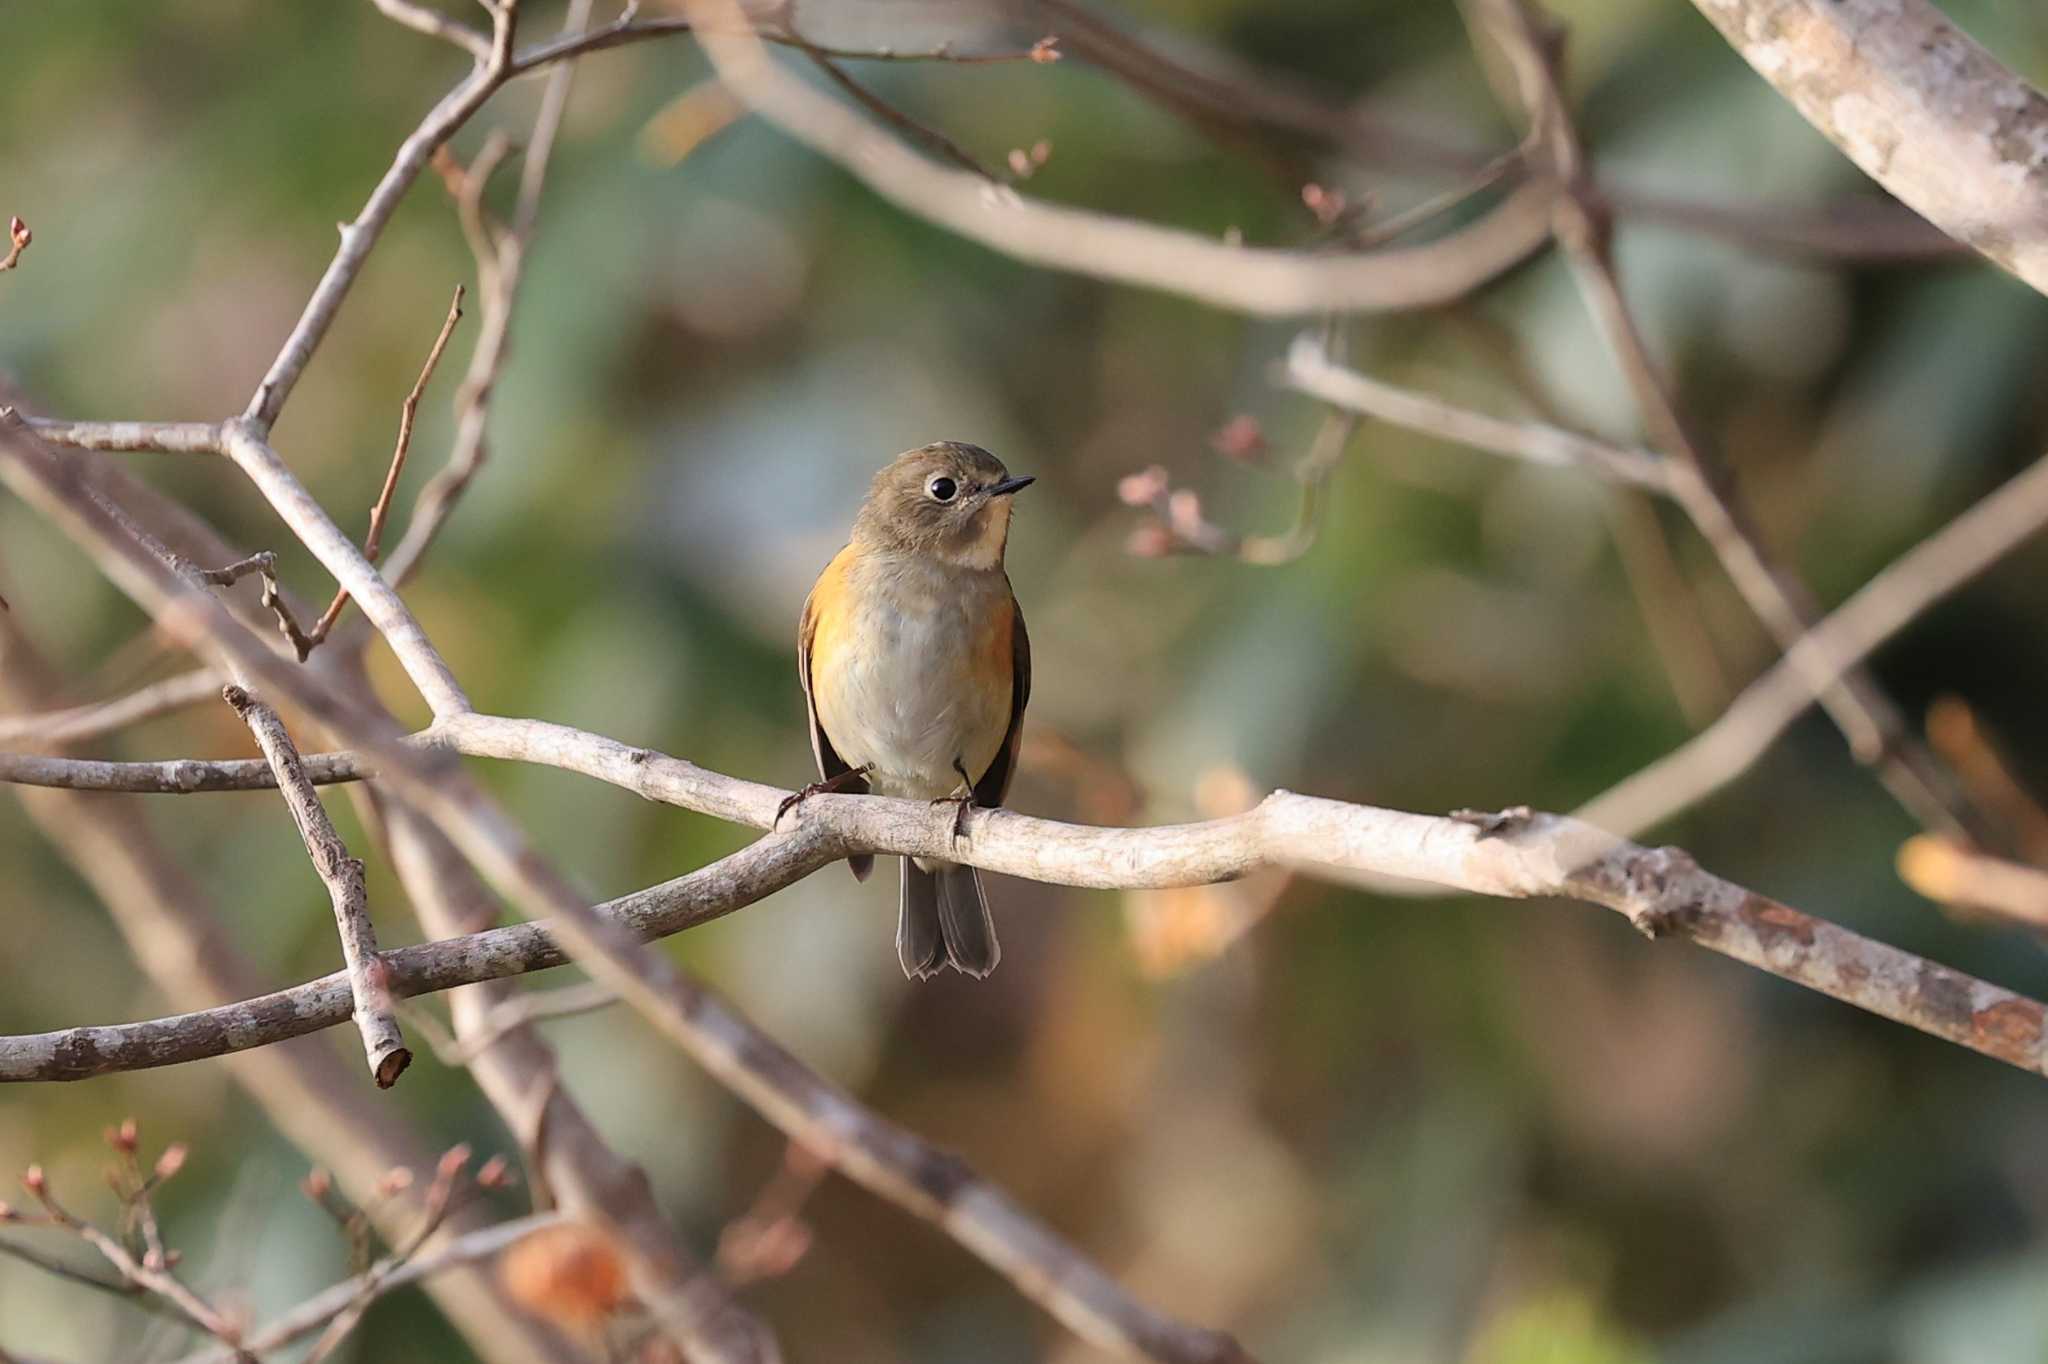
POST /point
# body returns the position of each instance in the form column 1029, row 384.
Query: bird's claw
column 829, row 786
column 961, row 805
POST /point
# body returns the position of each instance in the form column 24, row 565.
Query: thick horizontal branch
column 1924, row 110
column 1658, row 890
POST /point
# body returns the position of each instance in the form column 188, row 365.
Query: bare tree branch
column 1040, row 1265
column 383, row 1044
column 1254, row 280
column 311, row 1098
column 567, row 1156
column 103, row 717
column 1700, row 483
column 1308, row 369
column 385, row 1277
column 373, row 539
column 176, row 438
column 310, row 522
column 358, row 236
column 1893, row 598
column 1924, row 110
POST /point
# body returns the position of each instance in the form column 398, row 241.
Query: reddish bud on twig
column 316, row 1184
column 171, row 1161
column 1240, row 438
column 18, row 237
column 34, row 1181
column 152, row 1261
column 1046, row 49
column 1020, row 163
column 1143, row 488
column 1326, row 204
column 123, row 1138
column 495, row 1173
column 1184, row 513
column 7, row 1212
column 452, row 1161
column 396, row 1180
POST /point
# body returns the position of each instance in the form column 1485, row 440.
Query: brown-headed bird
column 916, row 669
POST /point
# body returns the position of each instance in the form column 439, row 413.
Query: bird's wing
column 830, row 764
column 995, row 783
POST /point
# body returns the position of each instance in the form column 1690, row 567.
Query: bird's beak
column 1008, row 486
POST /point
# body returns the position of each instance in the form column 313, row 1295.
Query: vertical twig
column 367, row 977
column 373, row 540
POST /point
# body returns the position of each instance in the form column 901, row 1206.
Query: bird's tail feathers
column 944, row 921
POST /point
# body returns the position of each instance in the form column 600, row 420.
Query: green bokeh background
column 1367, row 1130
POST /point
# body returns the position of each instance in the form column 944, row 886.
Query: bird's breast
column 911, row 672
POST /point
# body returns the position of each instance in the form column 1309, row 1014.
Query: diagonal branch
column 383, row 1044
column 1038, row 1263
column 1925, row 111
column 1891, row 600
column 1701, row 484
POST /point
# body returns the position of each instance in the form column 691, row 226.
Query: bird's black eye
column 942, row 489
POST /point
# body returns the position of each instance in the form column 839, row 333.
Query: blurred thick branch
column 1923, row 109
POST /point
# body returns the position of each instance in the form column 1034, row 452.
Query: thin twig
column 1894, row 597
column 1700, row 483
column 359, row 235
column 433, row 23
column 103, row 717
column 931, row 137
column 155, row 1280
column 1258, row 281
column 176, row 936
column 1308, row 369
column 506, row 1016
column 18, row 238
column 500, row 262
column 385, row 1277
column 373, row 540
column 383, row 1044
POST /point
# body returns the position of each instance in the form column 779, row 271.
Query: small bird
column 915, row 669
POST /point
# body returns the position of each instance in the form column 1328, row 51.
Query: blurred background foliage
column 1352, row 1129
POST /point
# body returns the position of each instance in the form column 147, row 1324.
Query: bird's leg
column 831, row 785
column 962, row 801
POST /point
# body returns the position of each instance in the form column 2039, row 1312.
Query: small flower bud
column 452, row 1161
column 1240, row 438
column 1151, row 540
column 34, row 1181
column 172, row 1160
column 1046, row 49
column 1143, row 488
column 495, row 1173
column 316, row 1184
column 396, row 1180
